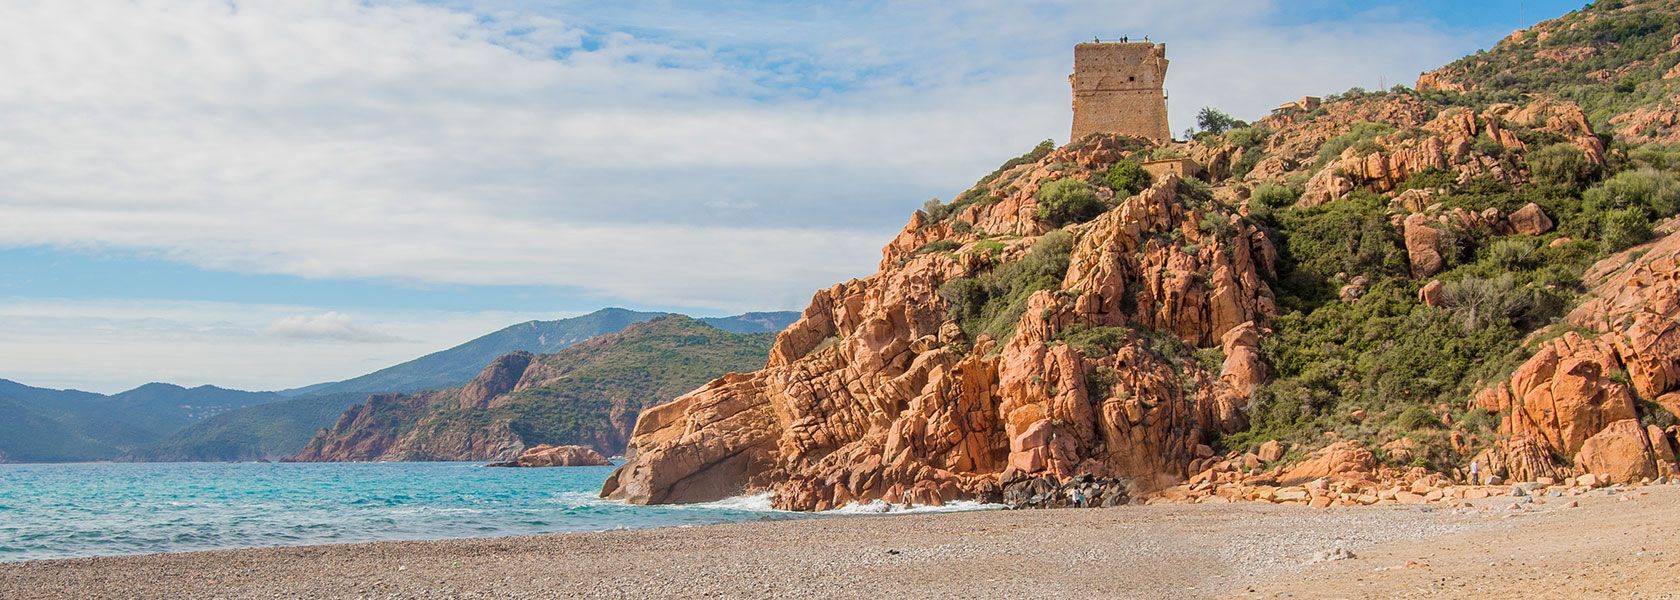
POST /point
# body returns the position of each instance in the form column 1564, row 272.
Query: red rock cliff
column 876, row 393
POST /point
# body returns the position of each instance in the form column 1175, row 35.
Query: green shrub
column 1562, row 165
column 1416, row 418
column 1657, row 156
column 1477, row 303
column 938, row 246
column 1485, row 144
column 1351, row 236
column 1127, row 178
column 1247, row 137
column 936, row 212
column 1623, row 229
column 1363, row 134
column 1100, row 382
column 1069, row 200
column 1428, row 179
column 1656, row 193
column 988, row 248
column 1273, row 196
column 1094, row 341
column 993, row 302
column 1513, row 253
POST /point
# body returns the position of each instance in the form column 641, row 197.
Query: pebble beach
column 1241, row 550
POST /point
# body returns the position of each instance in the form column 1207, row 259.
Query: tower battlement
column 1119, row 88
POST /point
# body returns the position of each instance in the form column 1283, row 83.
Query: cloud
column 728, row 157
column 330, row 325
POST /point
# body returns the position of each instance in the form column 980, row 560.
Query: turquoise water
column 58, row 511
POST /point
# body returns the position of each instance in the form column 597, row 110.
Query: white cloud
column 114, row 345
column 497, row 145
column 330, row 325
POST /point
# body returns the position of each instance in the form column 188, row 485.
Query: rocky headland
column 1082, row 314
column 588, row 395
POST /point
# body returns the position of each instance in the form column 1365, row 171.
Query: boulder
column 544, row 455
column 1271, row 451
column 1530, row 220
column 1430, row 294
column 1339, row 461
column 1423, row 242
column 1621, row 452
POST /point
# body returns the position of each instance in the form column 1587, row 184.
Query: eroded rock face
column 544, row 455
column 875, row 394
column 1624, row 453
column 1447, row 143
column 1578, row 386
column 1338, row 461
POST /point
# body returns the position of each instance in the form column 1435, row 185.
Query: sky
column 268, row 194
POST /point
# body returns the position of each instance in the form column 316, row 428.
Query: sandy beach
column 1611, row 545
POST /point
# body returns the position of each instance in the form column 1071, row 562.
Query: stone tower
column 1117, row 88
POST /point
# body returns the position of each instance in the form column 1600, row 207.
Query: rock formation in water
column 545, row 455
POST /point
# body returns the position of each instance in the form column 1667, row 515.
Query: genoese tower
column 1117, row 88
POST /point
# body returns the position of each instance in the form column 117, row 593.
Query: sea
column 99, row 509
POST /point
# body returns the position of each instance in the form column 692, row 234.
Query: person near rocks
column 1078, row 498
column 1475, row 473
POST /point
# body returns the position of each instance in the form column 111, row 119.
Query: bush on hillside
column 1066, row 201
column 1127, row 178
column 1363, row 136
column 1273, row 196
column 991, row 303
column 1562, row 165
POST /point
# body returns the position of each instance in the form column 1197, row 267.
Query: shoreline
column 1239, row 550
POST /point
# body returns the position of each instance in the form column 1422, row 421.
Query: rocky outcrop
column 1448, row 143
column 544, row 455
column 1084, row 491
column 1423, row 246
column 499, row 378
column 588, row 394
column 1581, row 386
column 1530, row 220
column 1627, row 452
column 1340, row 460
column 876, row 393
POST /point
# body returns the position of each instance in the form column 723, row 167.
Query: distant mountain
column 587, row 394
column 452, row 367
column 44, row 425
column 263, row 432
column 280, row 429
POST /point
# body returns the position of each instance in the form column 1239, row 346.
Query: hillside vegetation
column 587, row 394
column 1420, row 279
column 278, row 430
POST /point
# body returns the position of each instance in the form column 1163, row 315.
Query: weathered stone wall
column 1117, row 88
